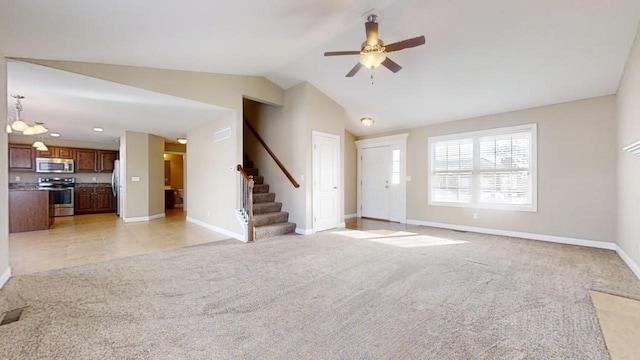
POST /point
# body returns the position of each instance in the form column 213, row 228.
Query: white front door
column 326, row 150
column 376, row 175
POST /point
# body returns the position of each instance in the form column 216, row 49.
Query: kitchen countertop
column 34, row 186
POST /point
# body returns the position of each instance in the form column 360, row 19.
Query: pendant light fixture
column 18, row 124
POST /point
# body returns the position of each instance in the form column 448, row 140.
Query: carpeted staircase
column 268, row 218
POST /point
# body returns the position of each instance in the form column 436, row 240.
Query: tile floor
column 83, row 239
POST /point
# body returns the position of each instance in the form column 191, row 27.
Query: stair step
column 261, row 189
column 266, row 231
column 258, row 179
column 264, row 208
column 263, row 198
column 251, row 171
column 270, row 218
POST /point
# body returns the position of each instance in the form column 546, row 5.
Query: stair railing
column 273, row 156
column 247, row 184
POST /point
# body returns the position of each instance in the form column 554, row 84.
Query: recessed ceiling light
column 54, row 134
column 98, row 129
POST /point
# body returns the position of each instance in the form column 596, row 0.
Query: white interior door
column 326, row 150
column 376, row 175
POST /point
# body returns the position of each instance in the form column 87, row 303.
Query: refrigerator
column 115, row 185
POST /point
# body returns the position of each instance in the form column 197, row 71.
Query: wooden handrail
column 275, row 158
column 244, row 174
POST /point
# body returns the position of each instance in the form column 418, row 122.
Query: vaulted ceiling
column 481, row 56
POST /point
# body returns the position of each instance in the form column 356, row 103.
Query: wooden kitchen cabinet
column 106, row 160
column 57, row 152
column 85, row 160
column 21, row 158
column 88, row 160
column 30, row 210
column 92, row 200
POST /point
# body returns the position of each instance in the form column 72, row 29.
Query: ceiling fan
column 374, row 52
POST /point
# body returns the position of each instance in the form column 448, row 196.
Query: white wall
column 350, row 171
column 628, row 102
column 4, row 186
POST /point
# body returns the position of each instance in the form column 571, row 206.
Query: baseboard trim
column 6, row 275
column 350, row 216
column 217, row 229
column 635, row 268
column 143, row 218
column 518, row 234
column 304, row 231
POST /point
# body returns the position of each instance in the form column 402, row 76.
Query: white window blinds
column 492, row 168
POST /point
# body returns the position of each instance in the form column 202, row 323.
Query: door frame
column 339, row 175
column 397, row 212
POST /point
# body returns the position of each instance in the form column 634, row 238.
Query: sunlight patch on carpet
column 400, row 238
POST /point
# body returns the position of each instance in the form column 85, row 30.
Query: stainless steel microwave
column 49, row 165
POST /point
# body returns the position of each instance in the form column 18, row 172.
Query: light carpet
column 323, row 296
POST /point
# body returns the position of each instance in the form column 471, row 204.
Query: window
column 395, row 172
column 486, row 169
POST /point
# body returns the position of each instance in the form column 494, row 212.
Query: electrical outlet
column 93, row 178
column 475, row 216
column 18, row 178
column 135, row 179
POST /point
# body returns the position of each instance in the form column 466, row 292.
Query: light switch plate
column 135, row 178
column 408, row 178
column 18, row 178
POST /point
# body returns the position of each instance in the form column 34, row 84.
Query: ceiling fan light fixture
column 366, row 121
column 30, row 130
column 9, row 130
column 182, row 141
column 39, row 128
column 372, row 57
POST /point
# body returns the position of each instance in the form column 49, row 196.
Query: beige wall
column 628, row 101
column 32, row 177
column 282, row 128
column 156, row 175
column 226, row 91
column 576, row 172
column 350, row 173
column 212, row 177
column 288, row 132
column 329, row 117
column 136, row 164
column 176, row 162
column 4, row 165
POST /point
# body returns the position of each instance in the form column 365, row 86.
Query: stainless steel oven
column 62, row 191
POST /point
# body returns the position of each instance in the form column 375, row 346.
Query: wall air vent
column 222, row 134
column 633, row 148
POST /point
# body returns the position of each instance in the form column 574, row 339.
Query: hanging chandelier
column 19, row 124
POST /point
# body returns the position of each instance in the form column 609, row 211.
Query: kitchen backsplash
column 32, row 177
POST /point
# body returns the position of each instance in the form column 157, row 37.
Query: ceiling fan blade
column 354, row 70
column 334, row 53
column 404, row 44
column 372, row 32
column 391, row 65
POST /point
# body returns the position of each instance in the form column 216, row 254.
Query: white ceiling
column 481, row 56
column 72, row 105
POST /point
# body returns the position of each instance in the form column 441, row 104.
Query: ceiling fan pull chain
column 371, row 76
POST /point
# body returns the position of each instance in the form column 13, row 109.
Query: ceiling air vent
column 222, row 134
